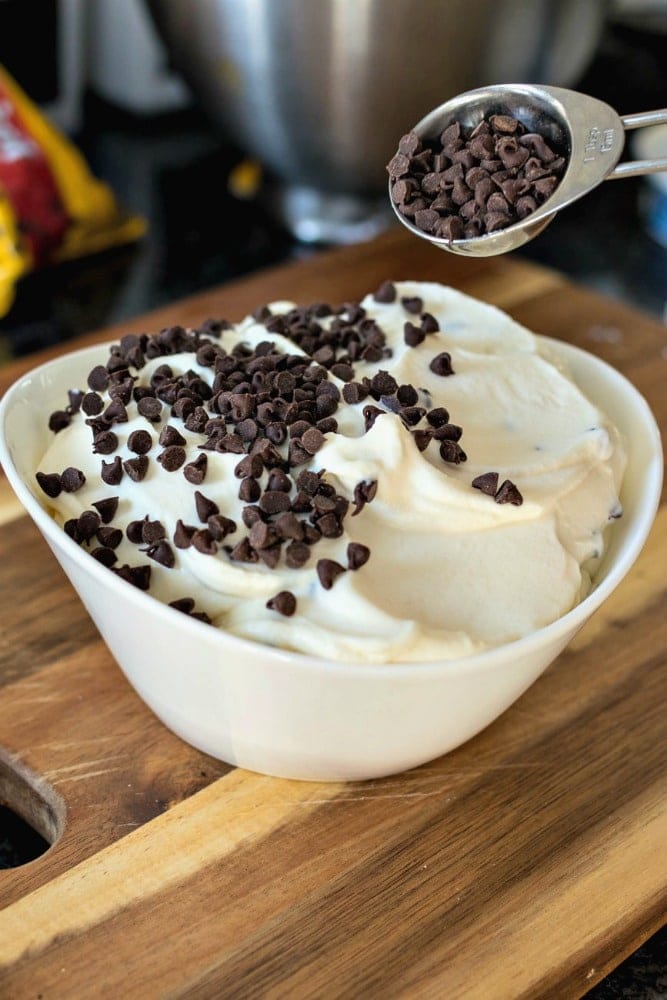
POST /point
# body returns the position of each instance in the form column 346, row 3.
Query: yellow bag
column 51, row 207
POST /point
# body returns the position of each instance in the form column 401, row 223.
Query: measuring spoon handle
column 638, row 168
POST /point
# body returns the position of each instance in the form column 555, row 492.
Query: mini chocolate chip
column 279, row 480
column 58, row 420
column 115, row 412
column 364, row 492
column 343, row 371
column 104, row 443
column 504, row 123
column 162, row 553
column 250, row 465
column 296, row 554
column 326, row 405
column 285, row 383
column 112, row 472
column 328, row 571
column 106, row 508
column 138, row 576
column 140, row 442
column 311, row 534
column 450, row 228
column 92, row 404
column 220, row 526
column 270, row 556
column 169, row 435
column 183, row 535
column 297, row 454
column 284, row 603
column 247, row 430
column 411, row 415
column 329, row 525
column 312, row 440
column 324, row 502
column 328, row 426
column 172, row 458
column 50, row 483
column 447, row 432
column 71, row 528
column 87, row 524
column 109, row 537
column 371, row 413
column 151, row 531
column 508, row 493
column 372, row 354
column 249, row 490
column 183, row 407
column 354, row 392
column 195, row 471
column 230, row 443
column 452, row 452
column 487, row 483
column 276, row 432
column 357, row 555
column 386, row 292
column 429, row 323
column 413, row 335
column 98, row 378
column 134, row 531
column 261, row 535
column 412, row 304
column 196, row 422
column 308, row 482
column 204, row 542
column 383, row 384
column 438, row 416
column 136, row 468
column 442, row 364
column 205, row 507
column 250, row 514
column 150, row 408
column 243, row 552
column 398, row 166
column 72, row 480
column 104, row 555
column 422, row 439
column 274, row 501
column 407, row 395
column 183, row 604
column 289, row 526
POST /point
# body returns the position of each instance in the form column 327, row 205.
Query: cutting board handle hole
column 32, row 813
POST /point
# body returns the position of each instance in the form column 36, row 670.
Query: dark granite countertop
column 175, row 169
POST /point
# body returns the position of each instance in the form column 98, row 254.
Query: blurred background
column 249, row 132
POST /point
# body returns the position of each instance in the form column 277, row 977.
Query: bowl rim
column 296, row 660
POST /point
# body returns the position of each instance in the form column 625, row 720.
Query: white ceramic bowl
column 297, row 716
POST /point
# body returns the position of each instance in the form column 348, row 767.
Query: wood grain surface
column 527, row 863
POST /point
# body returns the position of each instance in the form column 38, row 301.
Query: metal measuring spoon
column 590, row 133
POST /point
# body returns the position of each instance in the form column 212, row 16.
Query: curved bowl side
column 297, row 716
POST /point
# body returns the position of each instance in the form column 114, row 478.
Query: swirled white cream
column 450, row 571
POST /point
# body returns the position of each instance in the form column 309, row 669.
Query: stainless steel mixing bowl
column 321, row 90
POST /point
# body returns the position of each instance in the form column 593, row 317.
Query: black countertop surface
column 175, row 171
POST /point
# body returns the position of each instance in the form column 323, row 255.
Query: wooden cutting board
column 527, row 863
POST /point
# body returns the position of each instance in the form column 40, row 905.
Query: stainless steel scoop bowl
column 588, row 131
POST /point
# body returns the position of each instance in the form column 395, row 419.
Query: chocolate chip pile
column 274, row 411
column 473, row 181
